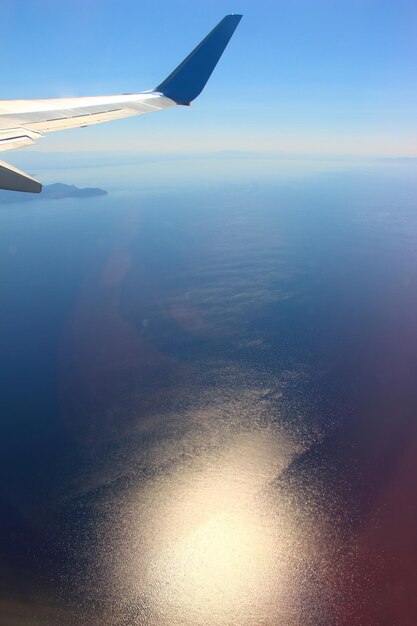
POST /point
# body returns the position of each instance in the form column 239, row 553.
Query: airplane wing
column 23, row 122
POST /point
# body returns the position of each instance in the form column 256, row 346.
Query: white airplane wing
column 23, row 122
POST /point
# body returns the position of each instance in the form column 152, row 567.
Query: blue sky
column 304, row 77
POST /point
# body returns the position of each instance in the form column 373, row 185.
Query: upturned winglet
column 188, row 80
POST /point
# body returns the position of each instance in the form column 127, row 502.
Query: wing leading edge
column 23, row 122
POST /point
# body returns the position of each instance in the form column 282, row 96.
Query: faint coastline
column 56, row 191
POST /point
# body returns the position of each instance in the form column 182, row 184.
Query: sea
column 208, row 391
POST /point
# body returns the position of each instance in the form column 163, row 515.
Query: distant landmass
column 57, row 191
column 60, row 190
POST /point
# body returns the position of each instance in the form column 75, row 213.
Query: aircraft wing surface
column 23, row 122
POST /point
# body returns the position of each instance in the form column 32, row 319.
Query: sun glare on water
column 204, row 545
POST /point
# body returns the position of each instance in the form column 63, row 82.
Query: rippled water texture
column 209, row 405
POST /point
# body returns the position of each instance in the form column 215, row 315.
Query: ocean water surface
column 209, row 398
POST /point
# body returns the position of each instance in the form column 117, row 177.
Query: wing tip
column 12, row 179
column 188, row 80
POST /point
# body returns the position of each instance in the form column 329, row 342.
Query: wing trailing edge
column 13, row 179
